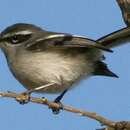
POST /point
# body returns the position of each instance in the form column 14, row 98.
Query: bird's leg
column 24, row 97
column 58, row 100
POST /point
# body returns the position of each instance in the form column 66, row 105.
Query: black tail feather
column 102, row 69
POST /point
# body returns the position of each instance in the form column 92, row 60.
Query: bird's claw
column 56, row 111
column 23, row 98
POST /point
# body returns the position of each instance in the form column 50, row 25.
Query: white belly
column 36, row 69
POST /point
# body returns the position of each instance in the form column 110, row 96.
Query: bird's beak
column 1, row 40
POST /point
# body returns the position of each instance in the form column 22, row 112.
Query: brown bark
column 111, row 125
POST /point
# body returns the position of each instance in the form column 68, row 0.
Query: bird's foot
column 56, row 111
column 58, row 100
column 23, row 98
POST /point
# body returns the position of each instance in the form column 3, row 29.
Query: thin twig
column 54, row 105
column 111, row 125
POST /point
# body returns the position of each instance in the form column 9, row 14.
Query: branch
column 43, row 101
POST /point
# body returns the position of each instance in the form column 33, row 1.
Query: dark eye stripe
column 16, row 39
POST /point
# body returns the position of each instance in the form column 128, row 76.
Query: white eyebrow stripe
column 19, row 33
column 23, row 32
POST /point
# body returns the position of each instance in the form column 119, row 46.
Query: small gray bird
column 55, row 61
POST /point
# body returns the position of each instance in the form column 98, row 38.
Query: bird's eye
column 16, row 39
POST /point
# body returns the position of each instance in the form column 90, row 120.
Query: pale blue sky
column 106, row 96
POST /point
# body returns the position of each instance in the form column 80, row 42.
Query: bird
column 53, row 62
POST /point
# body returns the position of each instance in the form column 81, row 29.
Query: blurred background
column 103, row 95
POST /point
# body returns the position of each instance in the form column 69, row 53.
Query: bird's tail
column 115, row 39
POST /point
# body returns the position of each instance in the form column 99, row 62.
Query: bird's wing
column 64, row 40
column 122, row 36
column 115, row 39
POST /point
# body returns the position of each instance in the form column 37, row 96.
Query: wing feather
column 115, row 39
column 65, row 40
